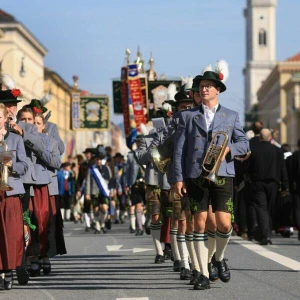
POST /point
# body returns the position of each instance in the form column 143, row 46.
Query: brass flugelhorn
column 4, row 172
column 214, row 155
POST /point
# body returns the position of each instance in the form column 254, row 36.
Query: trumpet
column 4, row 172
column 9, row 127
column 213, row 156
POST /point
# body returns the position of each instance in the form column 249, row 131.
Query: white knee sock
column 155, row 233
column 222, row 240
column 189, row 239
column 87, row 220
column 174, row 245
column 211, row 244
column 103, row 216
column 184, row 254
column 132, row 221
column 62, row 210
column 68, row 214
column 201, row 248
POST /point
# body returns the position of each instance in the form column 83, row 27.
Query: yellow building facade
column 279, row 100
column 59, row 94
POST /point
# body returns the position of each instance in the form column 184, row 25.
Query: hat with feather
column 184, row 95
column 10, row 96
column 219, row 76
column 36, row 106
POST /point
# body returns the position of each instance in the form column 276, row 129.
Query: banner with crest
column 90, row 112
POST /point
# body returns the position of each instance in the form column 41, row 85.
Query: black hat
column 99, row 155
column 182, row 96
column 10, row 96
column 65, row 164
column 91, row 150
column 213, row 76
column 118, row 155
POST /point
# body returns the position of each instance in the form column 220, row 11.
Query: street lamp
column 22, row 71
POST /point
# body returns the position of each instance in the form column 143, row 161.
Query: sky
column 89, row 38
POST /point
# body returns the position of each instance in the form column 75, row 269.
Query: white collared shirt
column 209, row 114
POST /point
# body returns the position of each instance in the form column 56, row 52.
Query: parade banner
column 158, row 93
column 117, row 96
column 144, row 91
column 135, row 95
column 94, row 113
column 124, row 93
column 75, row 110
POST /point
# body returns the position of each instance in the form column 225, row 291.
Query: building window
column 262, row 37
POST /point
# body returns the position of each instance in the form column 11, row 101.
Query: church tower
column 260, row 46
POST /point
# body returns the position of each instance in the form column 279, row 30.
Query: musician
column 134, row 188
column 80, row 182
column 183, row 101
column 96, row 195
column 152, row 193
column 11, row 212
column 194, row 132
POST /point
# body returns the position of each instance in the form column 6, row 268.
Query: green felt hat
column 210, row 75
column 37, row 107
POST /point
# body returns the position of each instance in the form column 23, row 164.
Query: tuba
column 160, row 163
column 4, row 172
column 213, row 156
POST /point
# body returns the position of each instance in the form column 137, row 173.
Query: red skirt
column 42, row 212
column 11, row 232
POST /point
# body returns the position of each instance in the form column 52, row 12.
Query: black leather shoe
column 223, row 270
column 213, row 272
column 8, row 284
column 35, row 272
column 265, row 241
column 87, row 229
column 194, row 277
column 202, row 283
column 167, row 252
column 22, row 275
column 185, row 274
column 104, row 230
column 159, row 259
column 176, row 266
column 97, row 231
column 46, row 268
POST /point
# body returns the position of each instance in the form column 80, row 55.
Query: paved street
column 119, row 265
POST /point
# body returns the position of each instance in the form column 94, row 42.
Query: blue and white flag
column 100, row 181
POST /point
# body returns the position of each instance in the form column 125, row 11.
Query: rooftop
column 296, row 57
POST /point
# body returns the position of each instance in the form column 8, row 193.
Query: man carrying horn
column 193, row 136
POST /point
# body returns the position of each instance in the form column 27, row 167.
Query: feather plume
column 171, row 91
column 48, row 115
column 189, row 83
column 7, row 81
column 222, row 67
column 207, row 68
column 144, row 129
column 167, row 106
column 46, row 98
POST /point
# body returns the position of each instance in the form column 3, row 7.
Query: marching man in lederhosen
column 193, row 136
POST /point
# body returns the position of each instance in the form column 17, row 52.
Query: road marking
column 143, row 298
column 280, row 259
column 117, row 248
